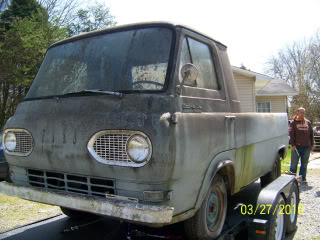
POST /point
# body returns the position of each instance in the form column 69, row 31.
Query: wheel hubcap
column 213, row 210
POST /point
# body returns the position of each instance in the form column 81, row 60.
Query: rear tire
column 273, row 174
column 77, row 214
column 293, row 202
column 207, row 223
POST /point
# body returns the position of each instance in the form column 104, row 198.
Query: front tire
column 207, row 223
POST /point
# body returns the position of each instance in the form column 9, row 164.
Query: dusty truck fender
column 223, row 164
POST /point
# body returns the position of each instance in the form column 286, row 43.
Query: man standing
column 301, row 138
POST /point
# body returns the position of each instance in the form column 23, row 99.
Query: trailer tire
column 207, row 223
column 76, row 214
column 293, row 202
column 273, row 174
column 278, row 220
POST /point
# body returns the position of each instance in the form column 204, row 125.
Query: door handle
column 230, row 117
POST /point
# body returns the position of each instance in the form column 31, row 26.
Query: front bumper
column 121, row 209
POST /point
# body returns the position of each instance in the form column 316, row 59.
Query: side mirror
column 189, row 74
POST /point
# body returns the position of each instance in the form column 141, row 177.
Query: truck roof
column 131, row 26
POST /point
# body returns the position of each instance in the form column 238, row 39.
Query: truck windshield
column 126, row 61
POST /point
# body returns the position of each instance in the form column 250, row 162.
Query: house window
column 263, row 107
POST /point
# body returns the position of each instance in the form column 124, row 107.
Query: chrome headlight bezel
column 125, row 160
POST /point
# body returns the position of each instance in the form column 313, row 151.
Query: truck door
column 207, row 96
column 202, row 130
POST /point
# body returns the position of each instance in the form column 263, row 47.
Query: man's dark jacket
column 301, row 133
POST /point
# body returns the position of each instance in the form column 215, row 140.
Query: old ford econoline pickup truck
column 141, row 123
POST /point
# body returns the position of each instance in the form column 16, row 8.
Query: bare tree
column 299, row 65
column 314, row 52
column 291, row 64
column 61, row 12
column 95, row 17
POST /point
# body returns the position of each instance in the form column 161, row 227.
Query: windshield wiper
column 99, row 91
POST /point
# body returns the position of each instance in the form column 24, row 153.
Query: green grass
column 285, row 163
column 16, row 212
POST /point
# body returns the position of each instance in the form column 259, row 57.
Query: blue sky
column 253, row 30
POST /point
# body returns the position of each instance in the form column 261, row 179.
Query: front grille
column 112, row 147
column 24, row 142
column 71, row 183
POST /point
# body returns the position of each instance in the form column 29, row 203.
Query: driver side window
column 200, row 55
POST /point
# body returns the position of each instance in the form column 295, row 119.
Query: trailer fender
column 269, row 194
column 267, row 205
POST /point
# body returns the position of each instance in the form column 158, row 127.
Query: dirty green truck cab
column 142, row 123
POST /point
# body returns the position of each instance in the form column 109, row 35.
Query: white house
column 261, row 93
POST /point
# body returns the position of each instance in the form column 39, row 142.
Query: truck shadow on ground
column 63, row 228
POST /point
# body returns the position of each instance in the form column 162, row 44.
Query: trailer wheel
column 207, row 223
column 273, row 174
column 292, row 214
column 278, row 220
column 76, row 214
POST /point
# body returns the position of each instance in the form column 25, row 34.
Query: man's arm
column 292, row 136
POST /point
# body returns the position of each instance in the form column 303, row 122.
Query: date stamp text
column 266, row 209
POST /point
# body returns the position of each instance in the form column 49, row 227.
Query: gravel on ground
column 309, row 219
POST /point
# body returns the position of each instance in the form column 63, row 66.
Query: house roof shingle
column 277, row 87
column 266, row 85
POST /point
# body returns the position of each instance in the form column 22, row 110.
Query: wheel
column 278, row 220
column 273, row 174
column 76, row 214
column 293, row 202
column 207, row 223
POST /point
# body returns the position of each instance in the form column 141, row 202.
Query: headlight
column 10, row 141
column 138, row 148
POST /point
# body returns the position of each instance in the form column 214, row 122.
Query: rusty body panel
column 194, row 133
